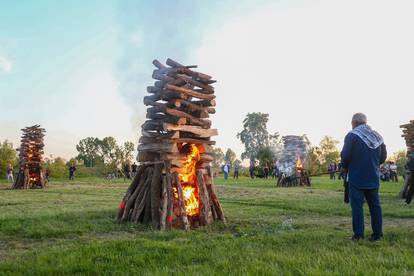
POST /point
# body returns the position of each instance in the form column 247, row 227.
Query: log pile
column 30, row 173
column 408, row 135
column 407, row 191
column 173, row 187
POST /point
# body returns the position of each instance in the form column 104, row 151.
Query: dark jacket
column 362, row 162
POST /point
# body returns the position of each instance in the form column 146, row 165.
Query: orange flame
column 187, row 178
column 299, row 164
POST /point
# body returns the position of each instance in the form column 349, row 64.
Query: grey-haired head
column 359, row 119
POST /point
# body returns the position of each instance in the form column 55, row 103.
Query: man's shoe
column 375, row 238
column 356, row 238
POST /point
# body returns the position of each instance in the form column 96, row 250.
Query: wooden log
column 194, row 107
column 204, row 157
column 143, row 198
column 189, row 92
column 158, row 64
column 205, row 209
column 170, row 194
column 177, row 113
column 193, row 129
column 164, row 204
column 153, row 125
column 169, row 135
column 156, row 187
column 183, row 213
column 204, row 103
column 129, row 203
column 214, row 198
column 146, row 219
column 187, row 71
column 158, row 147
column 145, row 156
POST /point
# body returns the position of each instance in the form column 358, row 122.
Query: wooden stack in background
column 174, row 185
column 408, row 135
column 30, row 173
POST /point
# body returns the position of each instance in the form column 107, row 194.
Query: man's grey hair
column 359, row 118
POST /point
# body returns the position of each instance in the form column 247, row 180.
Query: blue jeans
column 226, row 175
column 357, row 197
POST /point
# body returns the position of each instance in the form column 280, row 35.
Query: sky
column 80, row 68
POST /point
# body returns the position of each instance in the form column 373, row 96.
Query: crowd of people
column 388, row 171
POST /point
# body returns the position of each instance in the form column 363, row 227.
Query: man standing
column 226, row 169
column 332, row 170
column 72, row 170
column 364, row 150
column 9, row 173
column 393, row 172
column 236, row 171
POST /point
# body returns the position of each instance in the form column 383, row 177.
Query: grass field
column 69, row 229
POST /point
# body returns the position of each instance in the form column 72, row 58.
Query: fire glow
column 187, row 178
column 299, row 164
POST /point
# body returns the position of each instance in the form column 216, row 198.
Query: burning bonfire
column 30, row 154
column 294, row 177
column 173, row 187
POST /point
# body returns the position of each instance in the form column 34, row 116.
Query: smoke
column 154, row 29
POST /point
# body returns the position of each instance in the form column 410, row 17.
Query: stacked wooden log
column 173, row 187
column 408, row 188
column 408, row 135
column 30, row 173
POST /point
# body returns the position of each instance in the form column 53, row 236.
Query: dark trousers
column 394, row 176
column 357, row 197
column 332, row 175
column 236, row 175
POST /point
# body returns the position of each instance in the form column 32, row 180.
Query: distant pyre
column 30, row 155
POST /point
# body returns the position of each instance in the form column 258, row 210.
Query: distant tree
column 230, row 156
column 125, row 152
column 7, row 155
column 321, row 156
column 266, row 156
column 110, row 150
column 89, row 151
column 57, row 167
column 218, row 157
column 315, row 160
column 329, row 149
column 254, row 135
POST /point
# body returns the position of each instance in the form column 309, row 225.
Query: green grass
column 69, row 228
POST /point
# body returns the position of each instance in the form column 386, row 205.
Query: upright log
column 183, row 213
column 156, row 185
column 205, row 208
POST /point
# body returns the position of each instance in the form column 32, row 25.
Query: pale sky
column 81, row 68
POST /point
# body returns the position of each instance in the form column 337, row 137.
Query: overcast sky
column 80, row 68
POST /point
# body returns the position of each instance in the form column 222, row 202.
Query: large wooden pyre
column 173, row 187
column 30, row 154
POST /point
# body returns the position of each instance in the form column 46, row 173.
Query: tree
column 254, row 135
column 315, row 160
column 321, row 156
column 125, row 152
column 266, row 156
column 229, row 157
column 89, row 151
column 110, row 150
column 218, row 157
column 7, row 155
column 58, row 167
column 330, row 152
